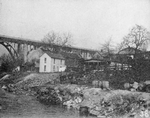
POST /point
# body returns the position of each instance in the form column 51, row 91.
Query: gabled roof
column 70, row 55
column 95, row 60
column 97, row 55
column 129, row 50
column 54, row 55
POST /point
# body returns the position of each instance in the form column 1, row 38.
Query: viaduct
column 21, row 47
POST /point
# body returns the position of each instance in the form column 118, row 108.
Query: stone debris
column 5, row 77
column 100, row 103
column 33, row 80
column 135, row 86
column 93, row 100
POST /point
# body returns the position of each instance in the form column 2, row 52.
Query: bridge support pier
column 25, row 52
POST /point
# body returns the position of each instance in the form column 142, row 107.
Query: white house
column 50, row 62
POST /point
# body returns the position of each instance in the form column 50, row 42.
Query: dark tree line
column 8, row 64
column 138, row 40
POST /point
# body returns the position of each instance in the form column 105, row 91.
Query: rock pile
column 48, row 95
column 141, row 86
column 68, row 95
column 87, row 100
column 33, row 80
column 116, row 103
column 94, row 100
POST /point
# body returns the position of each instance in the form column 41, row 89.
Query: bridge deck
column 4, row 38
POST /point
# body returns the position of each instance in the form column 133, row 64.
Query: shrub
column 8, row 64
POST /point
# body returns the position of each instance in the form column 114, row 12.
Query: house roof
column 129, row 50
column 94, row 60
column 97, row 55
column 54, row 55
column 70, row 55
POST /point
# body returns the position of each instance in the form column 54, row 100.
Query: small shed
column 95, row 64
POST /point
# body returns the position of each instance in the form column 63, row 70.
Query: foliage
column 8, row 64
column 136, row 43
column 140, row 69
column 137, row 38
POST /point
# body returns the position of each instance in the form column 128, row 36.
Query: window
column 57, row 68
column 44, row 60
column 53, row 68
column 54, row 61
column 44, row 67
column 60, row 62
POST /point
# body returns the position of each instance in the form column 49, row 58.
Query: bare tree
column 55, row 38
column 107, row 48
column 119, row 47
column 138, row 38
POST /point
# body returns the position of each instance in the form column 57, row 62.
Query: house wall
column 56, row 64
column 45, row 65
column 72, row 62
column 89, row 56
column 50, row 64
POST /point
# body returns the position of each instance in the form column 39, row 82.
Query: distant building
column 122, row 60
column 129, row 52
column 51, row 62
column 96, row 62
column 35, row 55
column 114, row 65
column 72, row 60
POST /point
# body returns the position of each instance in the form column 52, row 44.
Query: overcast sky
column 91, row 22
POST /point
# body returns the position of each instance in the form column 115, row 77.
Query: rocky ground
column 87, row 100
column 94, row 101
